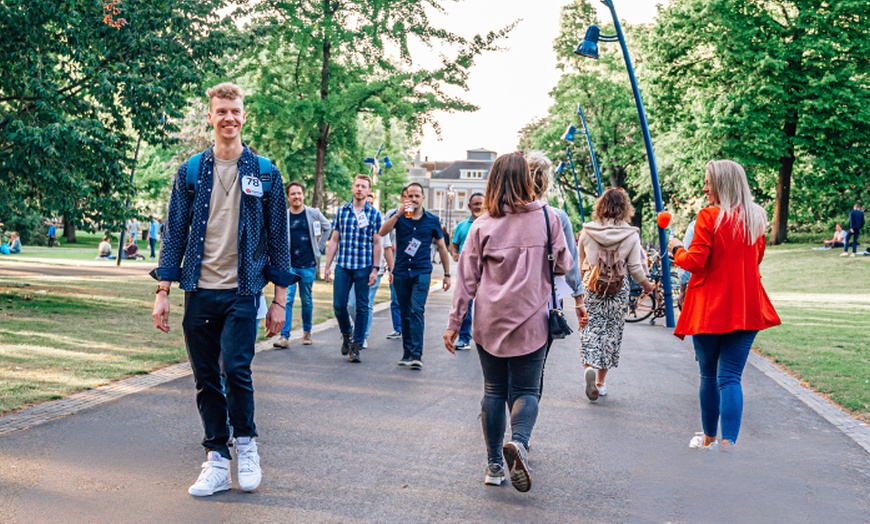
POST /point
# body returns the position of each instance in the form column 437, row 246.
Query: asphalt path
column 65, row 268
column 374, row 442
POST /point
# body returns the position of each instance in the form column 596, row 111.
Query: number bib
column 252, row 186
column 413, row 246
column 362, row 220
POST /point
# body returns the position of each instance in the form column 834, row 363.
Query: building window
column 471, row 174
column 439, row 200
column 460, row 200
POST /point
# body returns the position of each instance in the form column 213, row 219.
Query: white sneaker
column 591, row 391
column 697, row 442
column 844, row 254
column 214, row 477
column 602, row 389
column 250, row 473
column 365, row 344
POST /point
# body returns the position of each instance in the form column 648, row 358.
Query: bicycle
column 642, row 305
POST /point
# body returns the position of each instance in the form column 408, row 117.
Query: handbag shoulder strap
column 550, row 260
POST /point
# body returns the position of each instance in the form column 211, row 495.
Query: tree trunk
column 779, row 231
column 69, row 231
column 317, row 199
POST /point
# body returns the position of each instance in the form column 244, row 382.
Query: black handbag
column 559, row 327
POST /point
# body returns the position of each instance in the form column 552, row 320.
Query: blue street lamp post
column 560, row 170
column 591, row 150
column 589, row 48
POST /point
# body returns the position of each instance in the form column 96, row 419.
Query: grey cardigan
column 318, row 241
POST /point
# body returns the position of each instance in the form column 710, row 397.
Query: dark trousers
column 359, row 280
column 412, row 293
column 220, row 327
column 153, row 243
column 512, row 378
column 853, row 239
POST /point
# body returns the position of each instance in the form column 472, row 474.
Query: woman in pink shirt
column 503, row 268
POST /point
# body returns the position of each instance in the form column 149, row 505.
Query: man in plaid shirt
column 355, row 237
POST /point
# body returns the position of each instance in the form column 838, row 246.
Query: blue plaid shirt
column 355, row 244
column 264, row 251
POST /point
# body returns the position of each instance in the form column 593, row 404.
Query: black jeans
column 851, row 238
column 220, row 327
column 517, row 379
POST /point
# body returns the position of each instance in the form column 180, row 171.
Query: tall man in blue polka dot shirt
column 231, row 234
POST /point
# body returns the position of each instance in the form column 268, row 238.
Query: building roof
column 452, row 171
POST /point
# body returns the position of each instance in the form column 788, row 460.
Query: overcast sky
column 507, row 104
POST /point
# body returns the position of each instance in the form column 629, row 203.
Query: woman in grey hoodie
column 601, row 339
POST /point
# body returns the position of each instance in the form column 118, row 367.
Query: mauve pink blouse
column 503, row 268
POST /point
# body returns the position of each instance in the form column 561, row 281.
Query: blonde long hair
column 539, row 167
column 729, row 185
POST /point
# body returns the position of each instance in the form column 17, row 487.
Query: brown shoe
column 306, row 338
column 282, row 343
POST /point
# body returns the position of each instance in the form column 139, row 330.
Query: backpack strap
column 193, row 172
column 550, row 260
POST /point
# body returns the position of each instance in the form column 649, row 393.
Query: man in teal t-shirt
column 475, row 205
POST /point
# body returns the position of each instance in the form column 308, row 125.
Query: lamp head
column 387, row 163
column 561, row 168
column 370, row 161
column 569, row 134
column 589, row 46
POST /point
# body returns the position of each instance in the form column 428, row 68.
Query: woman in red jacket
column 726, row 305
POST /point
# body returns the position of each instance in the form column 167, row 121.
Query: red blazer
column 725, row 293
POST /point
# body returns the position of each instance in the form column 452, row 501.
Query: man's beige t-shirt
column 220, row 252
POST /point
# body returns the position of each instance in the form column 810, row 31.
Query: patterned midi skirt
column 601, row 339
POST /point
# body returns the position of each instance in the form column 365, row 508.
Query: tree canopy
column 82, row 83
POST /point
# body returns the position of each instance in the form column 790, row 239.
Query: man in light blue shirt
column 475, row 206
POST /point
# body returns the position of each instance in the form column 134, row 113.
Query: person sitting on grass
column 104, row 250
column 839, row 239
column 14, row 243
column 131, row 250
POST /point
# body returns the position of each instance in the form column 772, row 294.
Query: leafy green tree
column 780, row 86
column 318, row 64
column 81, row 85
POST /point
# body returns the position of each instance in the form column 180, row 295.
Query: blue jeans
column 152, row 243
column 308, row 274
column 395, row 310
column 851, row 238
column 359, row 279
column 721, row 359
column 220, row 327
column 465, row 329
column 351, row 308
column 412, row 293
column 517, row 378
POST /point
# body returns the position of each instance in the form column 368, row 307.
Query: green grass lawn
column 824, row 303
column 59, row 335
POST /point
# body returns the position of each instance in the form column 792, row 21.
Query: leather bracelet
column 447, row 275
column 280, row 305
column 161, row 288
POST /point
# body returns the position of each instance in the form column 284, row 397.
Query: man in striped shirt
column 355, row 237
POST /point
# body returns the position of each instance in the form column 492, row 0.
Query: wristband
column 447, row 275
column 376, row 267
column 674, row 251
column 161, row 288
column 280, row 305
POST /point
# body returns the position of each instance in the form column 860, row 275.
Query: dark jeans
column 359, row 279
column 395, row 310
column 153, row 243
column 721, row 359
column 517, row 378
column 412, row 293
column 853, row 239
column 220, row 327
column 465, row 328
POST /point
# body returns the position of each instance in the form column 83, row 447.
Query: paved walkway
column 377, row 443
